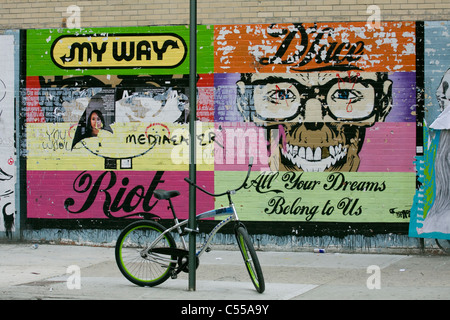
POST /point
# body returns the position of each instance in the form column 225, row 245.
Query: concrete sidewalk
column 42, row 273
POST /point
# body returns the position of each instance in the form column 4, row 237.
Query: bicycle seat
column 165, row 195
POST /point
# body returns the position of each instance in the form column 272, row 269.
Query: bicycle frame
column 230, row 211
column 232, row 216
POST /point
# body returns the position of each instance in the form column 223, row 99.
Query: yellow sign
column 124, row 51
column 149, row 146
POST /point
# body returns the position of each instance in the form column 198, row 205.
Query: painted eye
column 345, row 94
column 280, row 95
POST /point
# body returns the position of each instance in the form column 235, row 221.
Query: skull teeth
column 314, row 159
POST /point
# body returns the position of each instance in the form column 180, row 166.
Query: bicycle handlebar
column 250, row 164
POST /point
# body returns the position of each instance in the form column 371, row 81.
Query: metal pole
column 192, row 131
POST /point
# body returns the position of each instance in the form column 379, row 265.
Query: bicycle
column 147, row 254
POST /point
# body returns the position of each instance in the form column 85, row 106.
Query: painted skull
column 317, row 120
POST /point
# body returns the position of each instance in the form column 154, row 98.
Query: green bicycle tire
column 250, row 259
column 134, row 264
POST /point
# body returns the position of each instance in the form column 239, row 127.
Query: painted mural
column 431, row 215
column 327, row 111
column 7, row 139
column 332, row 109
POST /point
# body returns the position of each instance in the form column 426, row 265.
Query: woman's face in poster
column 96, row 122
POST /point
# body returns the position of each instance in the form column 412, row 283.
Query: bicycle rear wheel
column 250, row 258
column 135, row 258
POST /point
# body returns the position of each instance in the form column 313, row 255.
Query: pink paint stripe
column 48, row 191
column 389, row 147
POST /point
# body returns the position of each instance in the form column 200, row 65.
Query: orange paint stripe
column 284, row 48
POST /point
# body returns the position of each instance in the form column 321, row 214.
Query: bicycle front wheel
column 134, row 255
column 250, row 259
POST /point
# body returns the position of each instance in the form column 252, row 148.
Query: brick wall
column 222, row 80
column 22, row 14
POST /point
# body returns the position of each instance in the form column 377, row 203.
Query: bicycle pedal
column 208, row 249
column 174, row 275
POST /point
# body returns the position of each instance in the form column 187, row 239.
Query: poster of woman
column 430, row 212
